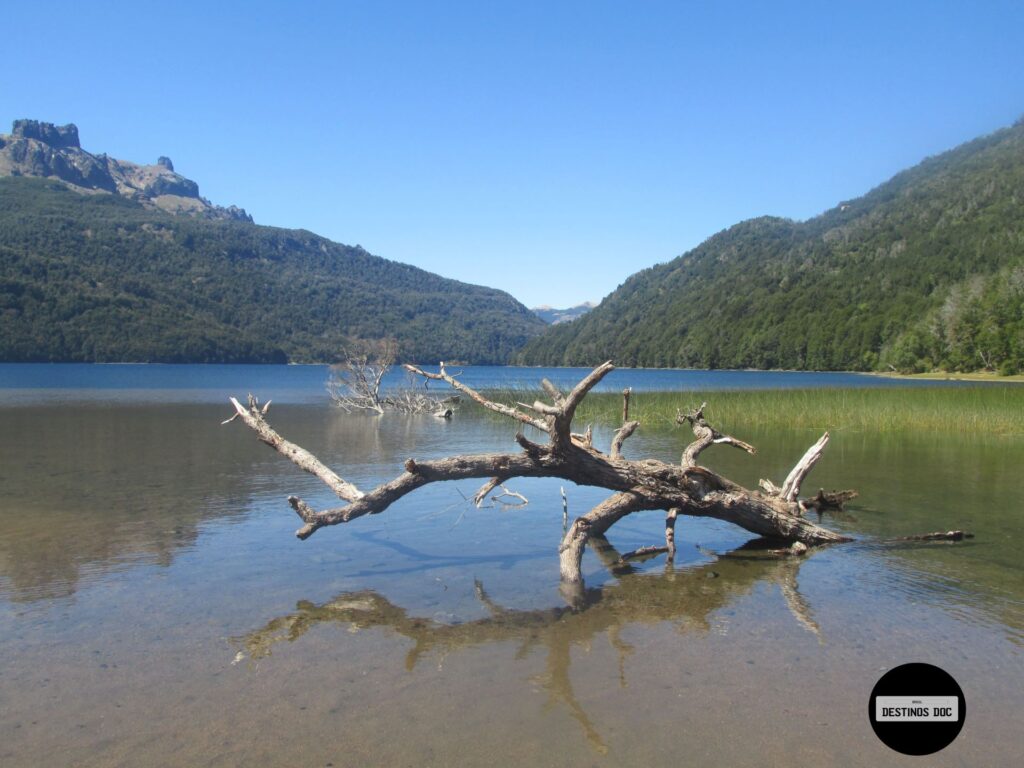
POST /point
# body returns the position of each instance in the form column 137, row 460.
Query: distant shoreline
column 1017, row 378
column 979, row 376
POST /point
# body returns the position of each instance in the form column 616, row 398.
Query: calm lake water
column 156, row 609
column 122, row 383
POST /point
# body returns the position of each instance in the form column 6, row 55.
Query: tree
column 687, row 488
column 355, row 383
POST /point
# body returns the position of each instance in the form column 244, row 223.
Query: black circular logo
column 917, row 709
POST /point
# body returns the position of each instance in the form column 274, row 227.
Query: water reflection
column 88, row 490
column 688, row 598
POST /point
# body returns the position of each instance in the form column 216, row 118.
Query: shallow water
column 155, row 608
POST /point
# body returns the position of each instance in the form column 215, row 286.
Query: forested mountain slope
column 101, row 277
column 925, row 271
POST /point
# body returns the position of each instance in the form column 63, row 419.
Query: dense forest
column 96, row 277
column 926, row 271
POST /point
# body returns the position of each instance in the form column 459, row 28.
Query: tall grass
column 991, row 409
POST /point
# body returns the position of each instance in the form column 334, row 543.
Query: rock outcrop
column 35, row 148
column 57, row 136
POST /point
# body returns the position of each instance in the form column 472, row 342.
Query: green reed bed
column 992, row 409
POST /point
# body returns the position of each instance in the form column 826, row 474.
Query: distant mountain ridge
column 102, row 260
column 925, row 271
column 45, row 150
column 555, row 316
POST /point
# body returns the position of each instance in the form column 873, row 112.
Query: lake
column 156, row 608
column 77, row 382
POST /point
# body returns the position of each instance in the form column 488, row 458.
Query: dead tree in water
column 647, row 484
column 355, row 383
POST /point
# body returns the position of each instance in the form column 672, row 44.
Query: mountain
column 53, row 151
column 925, row 271
column 104, row 260
column 555, row 316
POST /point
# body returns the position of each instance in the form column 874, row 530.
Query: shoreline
column 976, row 376
column 1017, row 378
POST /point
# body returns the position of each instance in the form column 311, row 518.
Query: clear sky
column 547, row 148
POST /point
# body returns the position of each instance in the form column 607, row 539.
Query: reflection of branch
column 789, row 561
column 687, row 597
column 624, row 649
column 506, row 498
column 610, row 557
column 796, row 602
column 557, row 682
column 485, row 599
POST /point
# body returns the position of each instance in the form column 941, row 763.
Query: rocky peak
column 35, row 148
column 56, row 136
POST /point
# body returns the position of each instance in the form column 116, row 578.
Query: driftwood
column 686, row 488
column 936, row 536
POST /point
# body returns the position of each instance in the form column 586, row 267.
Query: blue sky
column 549, row 149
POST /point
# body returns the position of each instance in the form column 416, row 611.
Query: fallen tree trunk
column 686, row 488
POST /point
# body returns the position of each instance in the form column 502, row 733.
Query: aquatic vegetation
column 991, row 409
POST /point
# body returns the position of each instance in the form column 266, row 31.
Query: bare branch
column 791, row 488
column 553, row 392
column 824, row 500
column 621, row 434
column 420, row 473
column 645, row 553
column 706, row 436
column 296, row 454
column 544, row 408
column 522, row 501
column 472, row 393
column 302, row 509
column 670, row 532
column 594, row 523
column 937, row 536
column 480, row 496
column 568, row 409
column 585, row 439
column 735, row 443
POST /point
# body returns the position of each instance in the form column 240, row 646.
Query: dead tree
column 355, row 383
column 686, row 488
